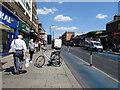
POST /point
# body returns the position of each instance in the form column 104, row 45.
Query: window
column 28, row 7
column 23, row 1
column 4, row 41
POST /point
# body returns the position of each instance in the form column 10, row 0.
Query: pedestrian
column 31, row 49
column 44, row 43
column 1, row 68
column 20, row 50
column 36, row 45
column 39, row 44
column 114, row 47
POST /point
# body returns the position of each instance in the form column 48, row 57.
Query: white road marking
column 97, row 69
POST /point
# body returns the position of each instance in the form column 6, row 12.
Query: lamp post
column 50, row 31
column 50, row 28
column 50, row 35
column 53, row 35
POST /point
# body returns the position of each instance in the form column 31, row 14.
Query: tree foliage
column 92, row 33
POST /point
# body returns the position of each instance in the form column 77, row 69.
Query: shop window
column 3, row 41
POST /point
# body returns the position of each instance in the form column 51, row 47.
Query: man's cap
column 20, row 36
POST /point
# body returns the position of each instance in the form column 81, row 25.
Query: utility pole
column 53, row 35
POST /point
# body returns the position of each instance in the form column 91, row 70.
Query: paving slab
column 45, row 77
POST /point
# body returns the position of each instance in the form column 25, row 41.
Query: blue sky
column 75, row 16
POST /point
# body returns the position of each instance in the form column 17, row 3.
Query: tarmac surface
column 33, row 77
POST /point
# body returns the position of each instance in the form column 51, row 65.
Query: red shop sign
column 116, row 33
column 39, row 36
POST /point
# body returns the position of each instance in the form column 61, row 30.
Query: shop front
column 34, row 35
column 8, row 29
column 116, row 40
column 112, row 41
column 24, row 30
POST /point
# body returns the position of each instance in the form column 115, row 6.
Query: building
column 113, row 30
column 66, row 37
column 23, row 12
column 34, row 15
column 42, row 34
column 8, row 29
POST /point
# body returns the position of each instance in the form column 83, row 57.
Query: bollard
column 91, row 57
column 68, row 49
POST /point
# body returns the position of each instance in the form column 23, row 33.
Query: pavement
column 45, row 77
column 115, row 53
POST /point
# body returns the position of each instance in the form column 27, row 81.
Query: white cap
column 20, row 36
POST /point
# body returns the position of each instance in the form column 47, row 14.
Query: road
column 104, row 62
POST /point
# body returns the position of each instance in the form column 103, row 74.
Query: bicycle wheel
column 40, row 61
column 57, row 61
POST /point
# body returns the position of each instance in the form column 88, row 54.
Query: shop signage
column 8, row 18
column 40, row 36
column 116, row 33
column 23, row 27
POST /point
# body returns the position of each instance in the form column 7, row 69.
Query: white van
column 96, row 46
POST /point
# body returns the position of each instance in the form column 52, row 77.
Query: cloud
column 60, row 18
column 101, row 16
column 58, row 35
column 46, row 11
column 66, row 28
column 60, row 2
column 53, row 26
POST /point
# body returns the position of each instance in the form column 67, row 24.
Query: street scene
column 59, row 44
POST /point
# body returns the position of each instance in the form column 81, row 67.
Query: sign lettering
column 5, row 17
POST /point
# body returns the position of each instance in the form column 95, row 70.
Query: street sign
column 49, row 39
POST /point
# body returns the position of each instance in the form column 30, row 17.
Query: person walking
column 39, row 45
column 36, row 46
column 31, row 49
column 19, row 54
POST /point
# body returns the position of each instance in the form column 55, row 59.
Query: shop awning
column 5, row 27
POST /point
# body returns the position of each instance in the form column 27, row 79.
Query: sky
column 75, row 17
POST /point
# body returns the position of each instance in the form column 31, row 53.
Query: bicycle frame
column 44, row 54
column 48, row 58
column 53, row 59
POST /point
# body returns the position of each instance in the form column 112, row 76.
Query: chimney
column 116, row 17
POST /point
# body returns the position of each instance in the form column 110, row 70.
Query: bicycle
column 55, row 59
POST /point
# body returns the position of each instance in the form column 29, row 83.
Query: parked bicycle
column 55, row 59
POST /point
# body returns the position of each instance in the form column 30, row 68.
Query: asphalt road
column 105, row 62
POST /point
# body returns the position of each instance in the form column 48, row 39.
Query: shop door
column 10, row 38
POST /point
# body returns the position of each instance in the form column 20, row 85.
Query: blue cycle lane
column 91, row 77
column 111, row 55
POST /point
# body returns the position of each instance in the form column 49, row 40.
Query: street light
column 53, row 35
column 50, row 28
column 49, row 37
column 50, row 31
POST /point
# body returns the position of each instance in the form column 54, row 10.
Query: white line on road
column 97, row 69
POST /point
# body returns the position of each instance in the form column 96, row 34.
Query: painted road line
column 98, row 69
column 106, row 54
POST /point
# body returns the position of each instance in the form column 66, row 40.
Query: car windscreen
column 97, row 44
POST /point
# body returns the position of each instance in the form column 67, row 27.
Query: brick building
column 113, row 30
column 66, row 37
